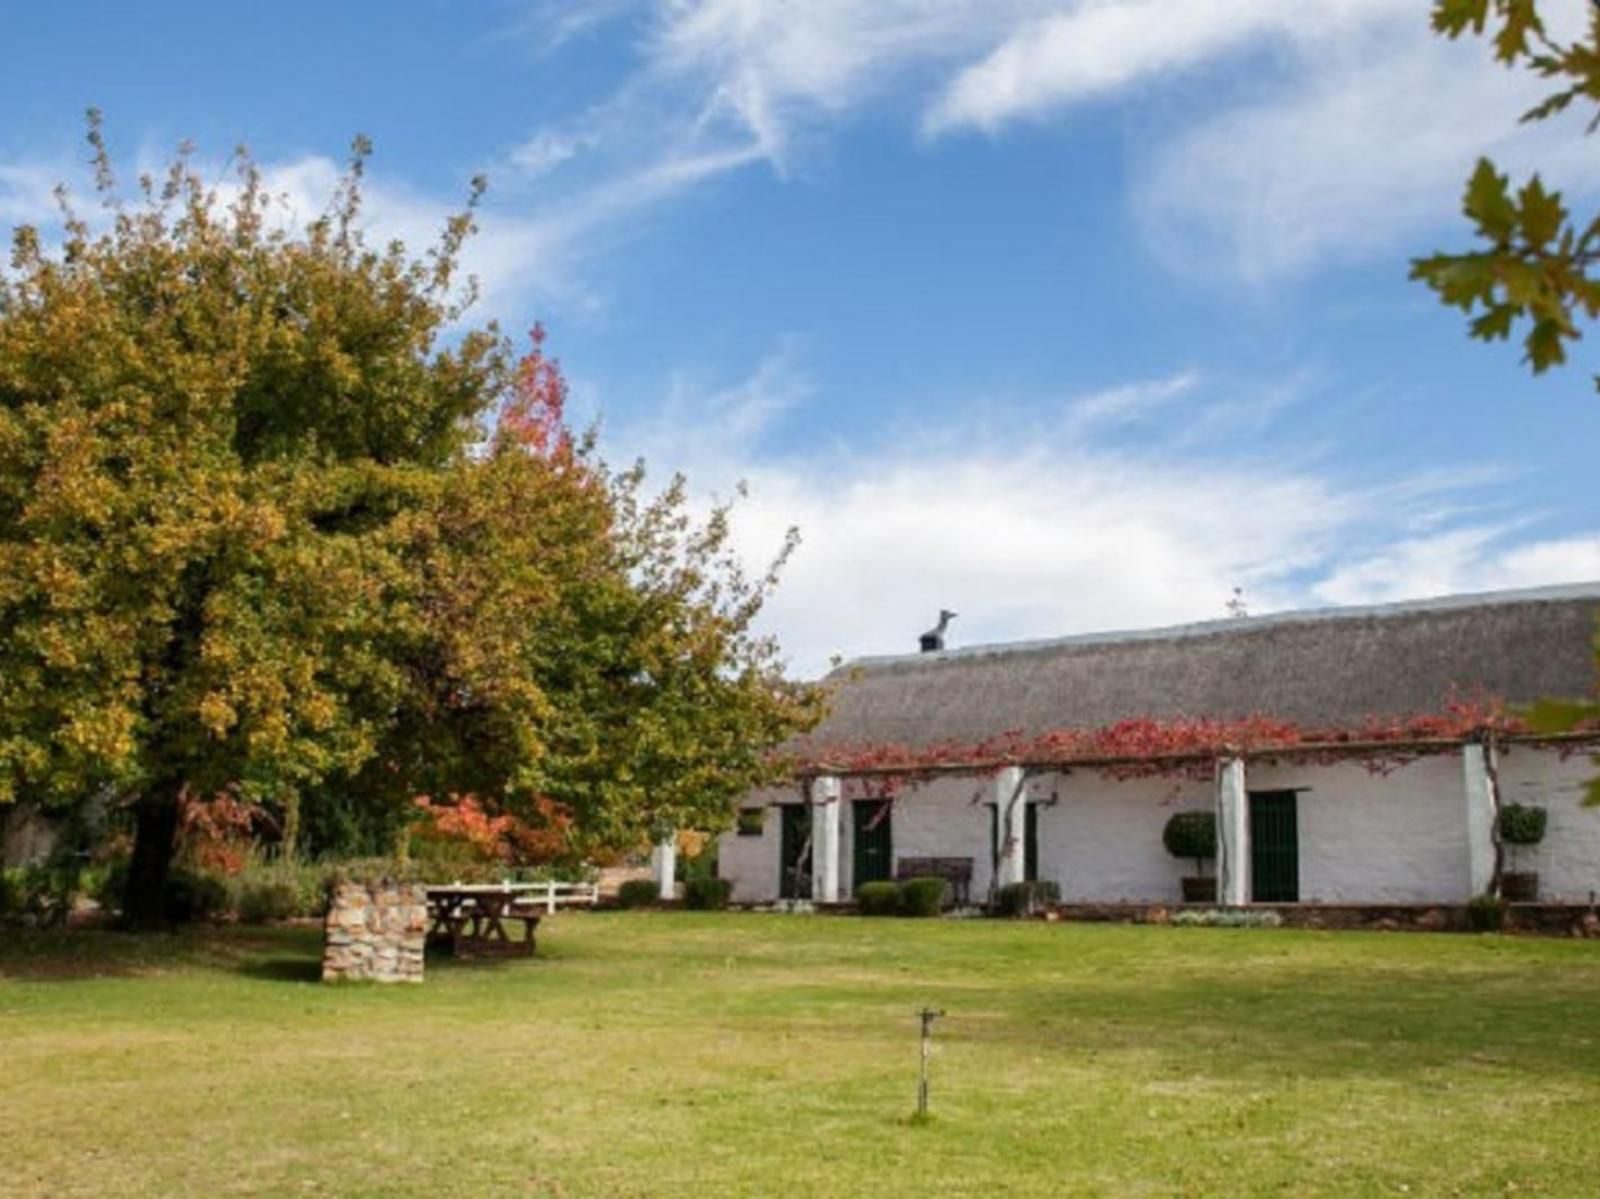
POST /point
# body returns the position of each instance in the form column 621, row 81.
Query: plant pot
column 1519, row 886
column 1199, row 890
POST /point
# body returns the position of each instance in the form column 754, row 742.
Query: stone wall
column 375, row 931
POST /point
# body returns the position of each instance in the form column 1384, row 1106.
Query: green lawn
column 647, row 1054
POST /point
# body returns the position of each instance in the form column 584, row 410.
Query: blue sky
column 1066, row 314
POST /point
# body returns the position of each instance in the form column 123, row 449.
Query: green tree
column 265, row 529
column 1538, row 262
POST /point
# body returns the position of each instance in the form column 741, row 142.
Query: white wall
column 940, row 818
column 1364, row 838
column 1101, row 840
column 1568, row 859
column 1369, row 838
column 751, row 863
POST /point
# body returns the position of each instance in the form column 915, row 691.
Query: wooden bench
column 957, row 872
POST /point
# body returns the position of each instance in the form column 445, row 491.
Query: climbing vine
column 1178, row 747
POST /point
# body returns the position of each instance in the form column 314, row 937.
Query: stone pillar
column 1010, row 799
column 664, row 866
column 1233, row 833
column 1477, row 780
column 376, row 932
column 825, row 807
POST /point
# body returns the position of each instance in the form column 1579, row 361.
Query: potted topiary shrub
column 1521, row 824
column 1193, row 836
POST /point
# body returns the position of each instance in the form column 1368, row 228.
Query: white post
column 825, row 806
column 1233, row 834
column 664, row 866
column 1478, row 784
column 1010, row 799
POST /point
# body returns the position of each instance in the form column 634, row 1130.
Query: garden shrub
column 1024, row 899
column 922, row 896
column 13, row 892
column 189, row 896
column 878, row 899
column 1486, row 913
column 262, row 902
column 707, row 894
column 1522, row 824
column 111, row 885
column 1191, row 835
column 638, row 893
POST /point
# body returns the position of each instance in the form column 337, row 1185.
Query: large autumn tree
column 272, row 524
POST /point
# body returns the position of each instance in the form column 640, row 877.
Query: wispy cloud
column 1062, row 524
column 1353, row 135
column 1358, row 157
column 1087, row 50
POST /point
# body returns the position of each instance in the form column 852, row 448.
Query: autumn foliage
column 1147, row 747
column 275, row 525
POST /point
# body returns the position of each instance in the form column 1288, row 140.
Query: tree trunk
column 155, row 839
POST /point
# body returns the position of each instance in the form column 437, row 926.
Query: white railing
column 554, row 895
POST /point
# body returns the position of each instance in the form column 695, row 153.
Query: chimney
column 933, row 639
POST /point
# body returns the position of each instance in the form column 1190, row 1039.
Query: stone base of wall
column 375, row 931
column 1550, row 919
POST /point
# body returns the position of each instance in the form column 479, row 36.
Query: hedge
column 638, row 893
column 1024, row 899
column 922, row 896
column 707, row 894
column 878, row 899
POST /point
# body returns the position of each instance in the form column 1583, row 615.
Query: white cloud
column 515, row 255
column 1128, row 403
column 1099, row 46
column 27, row 193
column 1050, row 529
column 1476, row 558
column 1360, row 158
column 1346, row 132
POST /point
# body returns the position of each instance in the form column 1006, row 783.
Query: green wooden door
column 872, row 847
column 794, row 852
column 1274, row 847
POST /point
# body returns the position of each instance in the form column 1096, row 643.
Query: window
column 751, row 821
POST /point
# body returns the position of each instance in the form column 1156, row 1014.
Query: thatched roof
column 1319, row 669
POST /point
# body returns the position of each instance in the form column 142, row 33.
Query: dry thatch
column 1318, row 669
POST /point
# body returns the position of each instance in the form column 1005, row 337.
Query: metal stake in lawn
column 928, row 1017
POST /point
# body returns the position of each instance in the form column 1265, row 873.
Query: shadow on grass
column 73, row 955
column 284, row 970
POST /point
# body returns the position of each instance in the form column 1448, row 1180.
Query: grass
column 652, row 1053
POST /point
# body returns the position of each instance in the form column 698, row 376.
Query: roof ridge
column 1445, row 603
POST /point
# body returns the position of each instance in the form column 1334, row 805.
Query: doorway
column 1274, row 847
column 794, row 852
column 872, row 847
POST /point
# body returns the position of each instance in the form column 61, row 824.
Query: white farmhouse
column 1389, row 797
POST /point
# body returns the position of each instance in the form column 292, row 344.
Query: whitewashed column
column 664, row 866
column 1010, row 796
column 825, row 806
column 1477, row 782
column 1233, row 833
